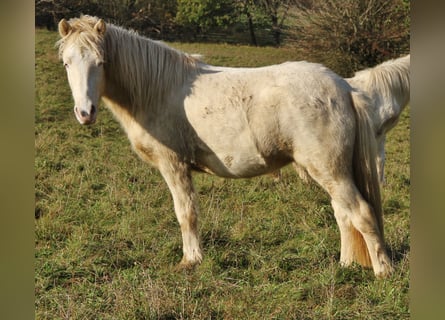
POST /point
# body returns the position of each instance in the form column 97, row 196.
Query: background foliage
column 354, row 33
column 344, row 34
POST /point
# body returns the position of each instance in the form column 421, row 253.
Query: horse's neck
column 118, row 101
column 141, row 73
column 393, row 98
column 396, row 78
column 389, row 97
column 141, row 105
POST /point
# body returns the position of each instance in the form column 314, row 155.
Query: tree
column 277, row 11
column 268, row 14
column 245, row 7
column 204, row 14
column 154, row 17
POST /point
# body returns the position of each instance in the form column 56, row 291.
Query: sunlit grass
column 107, row 240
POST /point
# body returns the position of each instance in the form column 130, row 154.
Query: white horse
column 388, row 85
column 182, row 115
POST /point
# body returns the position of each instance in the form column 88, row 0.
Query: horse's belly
column 239, row 163
column 232, row 149
column 242, row 165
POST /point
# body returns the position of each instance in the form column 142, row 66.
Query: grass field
column 107, row 240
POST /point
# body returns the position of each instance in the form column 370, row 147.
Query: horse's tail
column 365, row 170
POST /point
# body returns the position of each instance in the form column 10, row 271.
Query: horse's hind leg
column 179, row 180
column 361, row 240
column 353, row 246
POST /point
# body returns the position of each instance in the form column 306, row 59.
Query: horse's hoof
column 186, row 265
column 384, row 272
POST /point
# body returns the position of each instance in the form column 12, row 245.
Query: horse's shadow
column 399, row 253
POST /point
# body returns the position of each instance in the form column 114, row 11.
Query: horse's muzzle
column 85, row 117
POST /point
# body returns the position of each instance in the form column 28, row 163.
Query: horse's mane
column 145, row 68
column 390, row 78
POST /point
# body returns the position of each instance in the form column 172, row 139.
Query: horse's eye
column 65, row 65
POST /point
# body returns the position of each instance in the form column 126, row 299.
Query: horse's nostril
column 86, row 114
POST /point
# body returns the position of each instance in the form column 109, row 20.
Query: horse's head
column 81, row 49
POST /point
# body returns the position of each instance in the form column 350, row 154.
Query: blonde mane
column 390, row 79
column 146, row 69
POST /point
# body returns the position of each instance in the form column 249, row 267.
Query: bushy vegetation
column 353, row 34
column 107, row 240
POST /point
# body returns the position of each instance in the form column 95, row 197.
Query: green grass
column 107, row 240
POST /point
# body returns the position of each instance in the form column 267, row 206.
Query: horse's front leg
column 178, row 177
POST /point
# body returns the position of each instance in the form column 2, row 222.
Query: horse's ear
column 100, row 27
column 64, row 27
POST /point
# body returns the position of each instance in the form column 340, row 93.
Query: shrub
column 349, row 35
